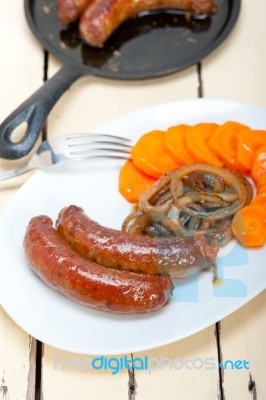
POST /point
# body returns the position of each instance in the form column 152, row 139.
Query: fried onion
column 195, row 199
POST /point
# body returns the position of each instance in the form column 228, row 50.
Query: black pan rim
column 89, row 70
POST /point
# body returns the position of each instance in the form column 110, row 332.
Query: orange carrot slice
column 262, row 190
column 133, row 182
column 149, row 156
column 261, row 181
column 175, row 144
column 259, row 199
column 224, row 143
column 197, row 138
column 249, row 141
column 259, row 164
column 249, row 226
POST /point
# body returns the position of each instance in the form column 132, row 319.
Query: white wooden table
column 236, row 70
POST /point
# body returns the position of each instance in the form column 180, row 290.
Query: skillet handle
column 34, row 112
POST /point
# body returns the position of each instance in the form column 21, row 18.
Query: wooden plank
column 18, row 77
column 17, row 361
column 21, row 72
column 21, row 69
column 66, row 375
column 243, row 338
column 237, row 69
column 192, row 371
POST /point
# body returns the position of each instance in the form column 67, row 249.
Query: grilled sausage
column 102, row 17
column 177, row 256
column 89, row 283
column 70, row 10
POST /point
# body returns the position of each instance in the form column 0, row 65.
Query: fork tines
column 99, row 146
column 91, row 137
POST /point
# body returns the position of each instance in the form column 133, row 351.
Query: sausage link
column 102, row 17
column 86, row 282
column 178, row 256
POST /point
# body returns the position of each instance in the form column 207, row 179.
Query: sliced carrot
column 149, row 156
column 133, row 182
column 197, row 138
column 262, row 190
column 224, row 143
column 259, row 164
column 249, row 226
column 175, row 144
column 261, row 181
column 249, row 141
column 259, row 199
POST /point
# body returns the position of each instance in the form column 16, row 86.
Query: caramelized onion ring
column 248, row 186
column 196, row 200
column 136, row 223
column 230, row 179
column 148, row 201
column 200, row 181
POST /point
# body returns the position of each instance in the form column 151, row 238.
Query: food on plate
column 182, row 144
column 249, row 141
column 149, row 155
column 259, row 164
column 194, row 200
column 248, row 186
column 100, row 18
column 175, row 145
column 261, row 182
column 249, row 225
column 224, row 141
column 260, row 199
column 89, row 283
column 179, row 256
column 197, row 138
column 262, row 191
column 216, row 198
column 133, row 182
column 239, row 148
column 185, row 212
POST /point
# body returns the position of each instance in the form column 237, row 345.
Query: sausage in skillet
column 70, row 10
column 102, row 17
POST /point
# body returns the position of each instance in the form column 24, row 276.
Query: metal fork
column 75, row 147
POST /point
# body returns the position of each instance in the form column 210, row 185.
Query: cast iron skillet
column 147, row 46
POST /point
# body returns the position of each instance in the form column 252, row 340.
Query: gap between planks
column 221, row 395
column 39, row 345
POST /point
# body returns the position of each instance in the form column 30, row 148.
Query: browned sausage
column 70, row 10
column 89, row 283
column 102, row 17
column 112, row 248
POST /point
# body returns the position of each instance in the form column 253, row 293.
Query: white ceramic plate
column 57, row 321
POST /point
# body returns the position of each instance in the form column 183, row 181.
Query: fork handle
column 11, row 173
column 34, row 112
